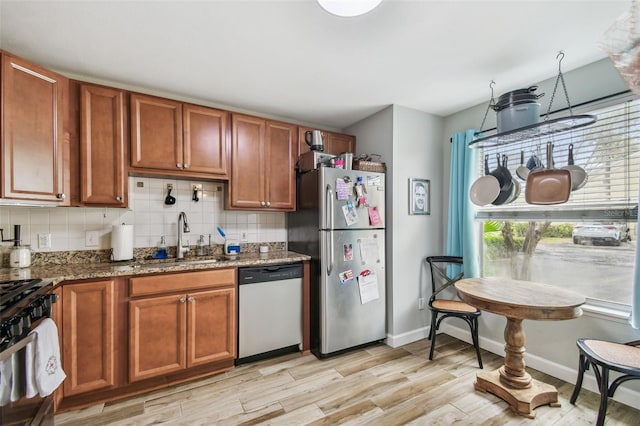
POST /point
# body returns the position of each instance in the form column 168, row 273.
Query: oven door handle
column 15, row 348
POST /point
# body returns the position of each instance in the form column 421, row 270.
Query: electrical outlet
column 44, row 241
column 243, row 236
column 421, row 303
column 92, row 238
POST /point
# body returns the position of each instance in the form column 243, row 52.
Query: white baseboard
column 624, row 395
column 406, row 338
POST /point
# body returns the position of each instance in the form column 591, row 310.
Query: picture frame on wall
column 419, row 196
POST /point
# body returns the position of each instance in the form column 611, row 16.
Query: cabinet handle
column 60, row 196
column 262, row 203
column 190, row 299
column 268, row 203
column 186, row 166
column 118, row 198
column 183, row 299
column 179, row 165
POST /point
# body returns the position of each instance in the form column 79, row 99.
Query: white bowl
column 484, row 190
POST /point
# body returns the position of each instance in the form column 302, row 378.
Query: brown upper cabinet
column 33, row 137
column 103, row 129
column 334, row 143
column 178, row 139
column 263, row 154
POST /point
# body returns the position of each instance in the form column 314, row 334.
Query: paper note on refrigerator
column 350, row 214
column 343, row 189
column 368, row 287
column 369, row 250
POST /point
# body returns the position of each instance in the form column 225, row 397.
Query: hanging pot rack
column 546, row 127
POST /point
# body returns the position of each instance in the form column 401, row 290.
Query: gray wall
column 411, row 144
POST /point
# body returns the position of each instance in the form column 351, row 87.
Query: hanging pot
column 578, row 174
column 548, row 186
column 502, row 173
column 486, row 188
column 520, row 96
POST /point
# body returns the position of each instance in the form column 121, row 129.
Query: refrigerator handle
column 329, row 218
column 328, row 208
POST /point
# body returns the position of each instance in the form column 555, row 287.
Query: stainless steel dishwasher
column 269, row 311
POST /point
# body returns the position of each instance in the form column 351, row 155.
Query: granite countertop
column 81, row 271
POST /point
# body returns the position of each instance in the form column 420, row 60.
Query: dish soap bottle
column 201, row 246
column 161, row 253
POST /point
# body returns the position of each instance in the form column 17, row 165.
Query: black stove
column 21, row 303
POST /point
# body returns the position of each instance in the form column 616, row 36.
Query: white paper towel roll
column 122, row 242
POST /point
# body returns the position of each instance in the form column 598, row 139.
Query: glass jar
column 20, row 256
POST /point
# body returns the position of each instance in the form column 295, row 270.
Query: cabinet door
column 281, row 153
column 157, row 336
column 211, row 325
column 205, row 140
column 88, row 334
column 102, row 146
column 336, row 143
column 246, row 187
column 32, row 131
column 156, row 133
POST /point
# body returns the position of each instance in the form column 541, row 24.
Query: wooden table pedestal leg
column 511, row 382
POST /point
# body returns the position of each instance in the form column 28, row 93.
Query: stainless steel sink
column 165, row 262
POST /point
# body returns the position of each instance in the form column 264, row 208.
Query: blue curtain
column 462, row 240
column 634, row 319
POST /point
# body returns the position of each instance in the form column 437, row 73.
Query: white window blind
column 609, row 152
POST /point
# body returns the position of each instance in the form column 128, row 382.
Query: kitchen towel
column 29, row 369
column 48, row 369
column 17, row 380
column 122, row 242
column 6, row 373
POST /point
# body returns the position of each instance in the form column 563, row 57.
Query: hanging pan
column 523, row 171
column 506, row 194
column 578, row 174
column 548, row 186
column 486, row 188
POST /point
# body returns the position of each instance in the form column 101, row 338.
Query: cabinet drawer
column 156, row 284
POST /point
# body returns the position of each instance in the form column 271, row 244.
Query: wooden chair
column 605, row 356
column 441, row 307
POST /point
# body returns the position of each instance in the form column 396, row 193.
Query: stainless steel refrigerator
column 340, row 223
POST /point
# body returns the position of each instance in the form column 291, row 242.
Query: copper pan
column 548, row 186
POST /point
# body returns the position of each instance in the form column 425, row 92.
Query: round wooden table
column 518, row 300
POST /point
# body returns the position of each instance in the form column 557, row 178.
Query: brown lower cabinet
column 178, row 331
column 88, row 335
column 125, row 335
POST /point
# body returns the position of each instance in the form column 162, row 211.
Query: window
column 588, row 243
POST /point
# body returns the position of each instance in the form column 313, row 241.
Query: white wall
column 411, row 144
column 149, row 215
column 551, row 347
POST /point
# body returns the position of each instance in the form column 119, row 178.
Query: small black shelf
column 543, row 128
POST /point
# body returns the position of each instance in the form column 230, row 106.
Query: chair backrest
column 445, row 271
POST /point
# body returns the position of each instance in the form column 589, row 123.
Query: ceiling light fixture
column 349, row 8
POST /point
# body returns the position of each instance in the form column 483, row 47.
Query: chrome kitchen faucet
column 180, row 251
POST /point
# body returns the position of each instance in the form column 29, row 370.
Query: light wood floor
column 378, row 385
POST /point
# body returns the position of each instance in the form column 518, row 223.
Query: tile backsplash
column 69, row 226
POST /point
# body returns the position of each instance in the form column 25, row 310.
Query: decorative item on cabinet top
column 548, row 126
column 369, row 163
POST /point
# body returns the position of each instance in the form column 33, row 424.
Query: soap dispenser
column 201, row 246
column 161, row 253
